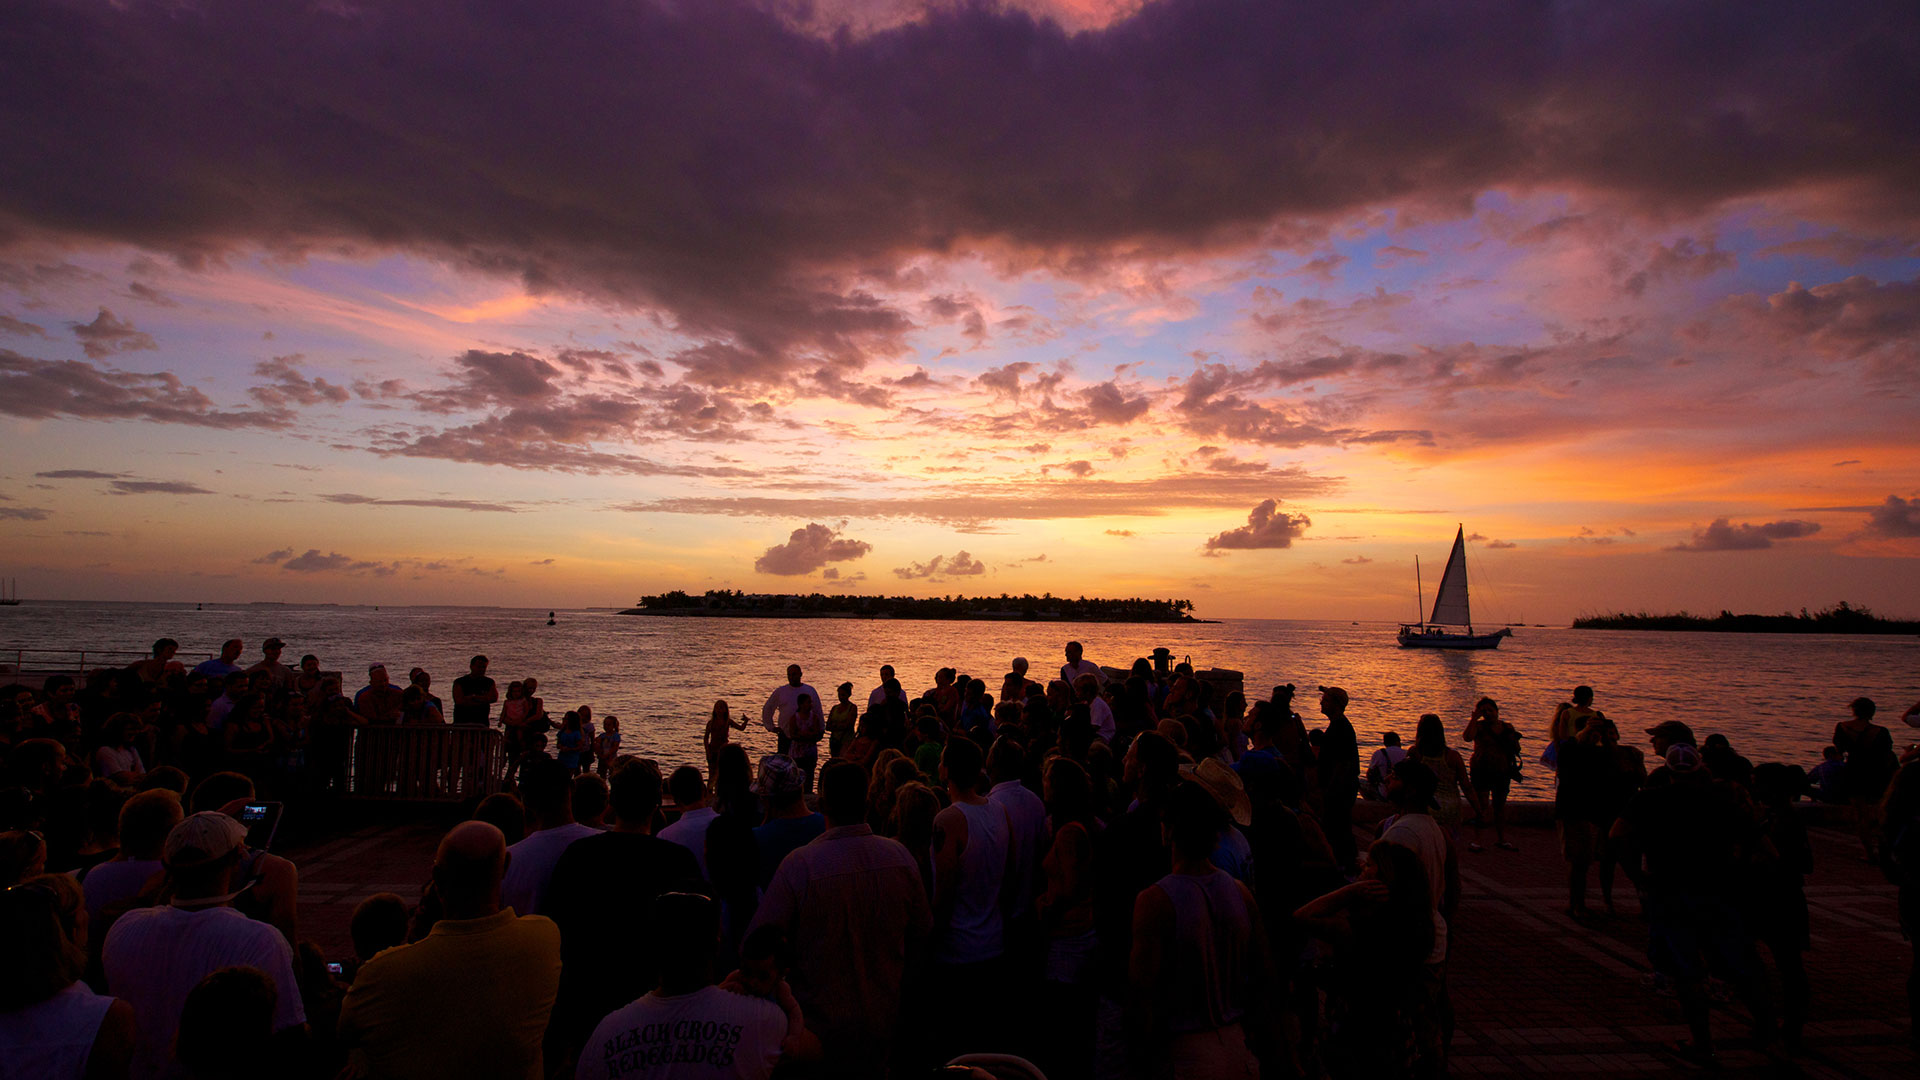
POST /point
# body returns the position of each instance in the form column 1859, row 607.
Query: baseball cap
column 1336, row 692
column 202, row 838
column 1682, row 758
column 273, row 643
column 780, row 776
column 1673, row 731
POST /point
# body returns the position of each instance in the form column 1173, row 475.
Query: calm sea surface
column 1776, row 696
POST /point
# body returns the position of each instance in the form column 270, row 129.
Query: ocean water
column 1776, row 697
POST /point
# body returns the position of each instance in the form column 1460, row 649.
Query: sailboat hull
column 1418, row 637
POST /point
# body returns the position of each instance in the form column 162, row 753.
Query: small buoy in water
column 549, row 618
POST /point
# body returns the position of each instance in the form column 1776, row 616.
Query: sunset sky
column 1243, row 302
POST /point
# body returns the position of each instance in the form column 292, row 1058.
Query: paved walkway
column 1535, row 993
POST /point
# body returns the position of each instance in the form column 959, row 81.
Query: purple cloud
column 79, row 474
column 157, row 487
column 107, row 335
column 1266, row 527
column 47, row 388
column 939, row 568
column 23, row 513
column 349, row 499
column 289, row 387
column 1897, row 518
column 809, row 549
column 1722, row 535
column 312, row 562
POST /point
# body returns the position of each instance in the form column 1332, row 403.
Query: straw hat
column 1224, row 785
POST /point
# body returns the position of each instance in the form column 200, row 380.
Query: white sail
column 1450, row 603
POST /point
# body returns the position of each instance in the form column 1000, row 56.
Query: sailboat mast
column 1419, row 593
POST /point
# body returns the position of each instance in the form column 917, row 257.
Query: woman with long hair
column 1430, row 749
column 733, row 785
column 1496, row 754
column 51, row 1024
column 720, row 728
column 881, row 788
column 914, row 808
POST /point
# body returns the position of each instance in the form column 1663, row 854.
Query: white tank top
column 52, row 1039
column 975, row 933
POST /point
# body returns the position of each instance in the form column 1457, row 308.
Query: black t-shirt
column 471, row 685
column 1693, row 831
column 1339, row 758
column 599, row 884
column 1128, row 857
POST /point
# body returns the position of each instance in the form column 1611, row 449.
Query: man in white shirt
column 1410, row 787
column 1087, row 689
column 234, row 688
column 689, row 793
column 1380, row 767
column 1075, row 667
column 119, row 760
column 688, row 1026
column 777, row 715
column 154, row 956
column 1028, row 815
column 547, row 789
column 880, row 692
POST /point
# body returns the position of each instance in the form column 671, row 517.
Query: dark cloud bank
column 762, row 185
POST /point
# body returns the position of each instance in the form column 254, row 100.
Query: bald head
column 467, row 869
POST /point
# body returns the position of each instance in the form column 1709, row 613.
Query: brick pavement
column 1534, row 992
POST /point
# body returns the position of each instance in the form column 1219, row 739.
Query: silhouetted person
column 473, row 997
column 1900, row 861
column 1199, row 954
column 855, row 909
column 226, row 1027
column 52, row 1024
column 1695, row 834
column 1338, row 771
column 688, row 1026
column 595, row 881
column 1870, row 764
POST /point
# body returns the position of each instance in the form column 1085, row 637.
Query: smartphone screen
column 262, row 820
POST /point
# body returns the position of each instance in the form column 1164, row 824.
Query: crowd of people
column 1125, row 872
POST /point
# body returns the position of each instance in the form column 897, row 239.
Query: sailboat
column 1450, row 609
column 10, row 599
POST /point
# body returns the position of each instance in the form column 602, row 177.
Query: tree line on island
column 1841, row 618
column 1005, row 606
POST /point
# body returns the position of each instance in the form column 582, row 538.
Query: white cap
column 203, row 838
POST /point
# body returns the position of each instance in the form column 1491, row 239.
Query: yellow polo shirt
column 471, row 999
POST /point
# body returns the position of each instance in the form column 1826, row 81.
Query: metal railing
column 73, row 662
column 423, row 763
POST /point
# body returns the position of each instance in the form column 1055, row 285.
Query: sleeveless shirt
column 1204, row 982
column 975, row 932
column 52, row 1039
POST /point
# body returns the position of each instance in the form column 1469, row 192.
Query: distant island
column 1842, row 618
column 1024, row 608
